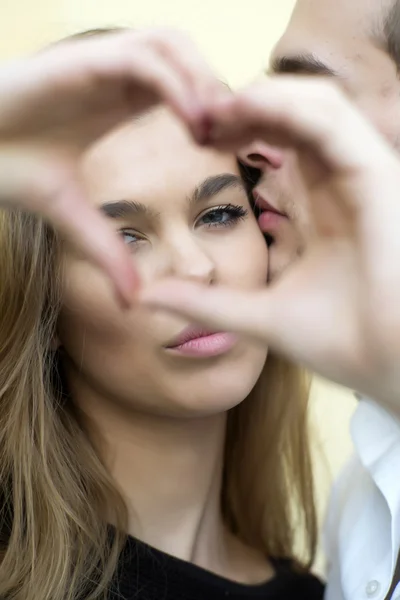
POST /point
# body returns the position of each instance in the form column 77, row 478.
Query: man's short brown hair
column 391, row 32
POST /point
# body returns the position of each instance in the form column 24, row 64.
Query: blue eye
column 223, row 216
column 129, row 237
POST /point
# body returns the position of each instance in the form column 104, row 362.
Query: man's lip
column 269, row 221
column 265, row 206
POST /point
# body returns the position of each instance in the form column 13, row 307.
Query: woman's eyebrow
column 215, row 185
column 122, row 209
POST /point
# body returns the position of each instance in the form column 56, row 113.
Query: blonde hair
column 56, row 496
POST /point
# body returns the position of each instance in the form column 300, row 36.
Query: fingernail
column 205, row 133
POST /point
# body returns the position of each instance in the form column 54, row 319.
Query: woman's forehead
column 152, row 155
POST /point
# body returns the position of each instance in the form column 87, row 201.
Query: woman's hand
column 54, row 104
column 337, row 309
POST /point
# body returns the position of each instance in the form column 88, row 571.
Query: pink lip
column 269, row 220
column 263, row 204
column 201, row 343
column 270, row 217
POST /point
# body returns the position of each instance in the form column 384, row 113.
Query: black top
column 148, row 574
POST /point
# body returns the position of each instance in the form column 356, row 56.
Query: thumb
column 88, row 231
column 48, row 184
column 228, row 309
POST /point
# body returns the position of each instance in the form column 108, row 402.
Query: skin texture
column 156, row 412
column 59, row 101
column 141, row 372
column 344, row 37
column 336, row 310
column 342, row 161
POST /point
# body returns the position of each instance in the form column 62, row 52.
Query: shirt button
column 372, row 588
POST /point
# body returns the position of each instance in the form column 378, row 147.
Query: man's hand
column 337, row 309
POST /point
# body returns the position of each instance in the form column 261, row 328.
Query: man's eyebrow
column 215, row 185
column 122, row 209
column 301, row 64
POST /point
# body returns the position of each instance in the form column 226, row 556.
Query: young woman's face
column 182, row 211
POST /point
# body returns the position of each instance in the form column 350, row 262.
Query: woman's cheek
column 88, row 299
column 245, row 258
column 91, row 313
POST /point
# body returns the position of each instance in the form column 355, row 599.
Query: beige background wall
column 237, row 37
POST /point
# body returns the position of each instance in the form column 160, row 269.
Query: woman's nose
column 192, row 262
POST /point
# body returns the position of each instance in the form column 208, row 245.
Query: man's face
column 338, row 39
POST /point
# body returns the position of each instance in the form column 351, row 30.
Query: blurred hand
column 337, row 309
column 56, row 103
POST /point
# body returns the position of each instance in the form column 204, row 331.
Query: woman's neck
column 170, row 473
column 168, row 469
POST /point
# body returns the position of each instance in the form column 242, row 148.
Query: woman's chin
column 220, row 390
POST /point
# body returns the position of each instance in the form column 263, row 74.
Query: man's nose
column 262, row 156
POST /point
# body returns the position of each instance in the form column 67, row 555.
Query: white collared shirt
column 362, row 537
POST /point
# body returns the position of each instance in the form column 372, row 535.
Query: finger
column 293, row 317
column 183, row 55
column 362, row 168
column 155, row 63
column 304, row 113
column 98, row 74
column 169, row 86
column 227, row 309
column 48, row 185
column 317, row 120
column 88, row 231
column 128, row 59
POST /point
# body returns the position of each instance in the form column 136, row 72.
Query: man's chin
column 279, row 262
column 284, row 251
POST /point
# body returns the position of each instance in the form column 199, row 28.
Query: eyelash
column 235, row 212
column 124, row 232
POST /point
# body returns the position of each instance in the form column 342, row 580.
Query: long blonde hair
column 56, row 496
column 55, row 492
